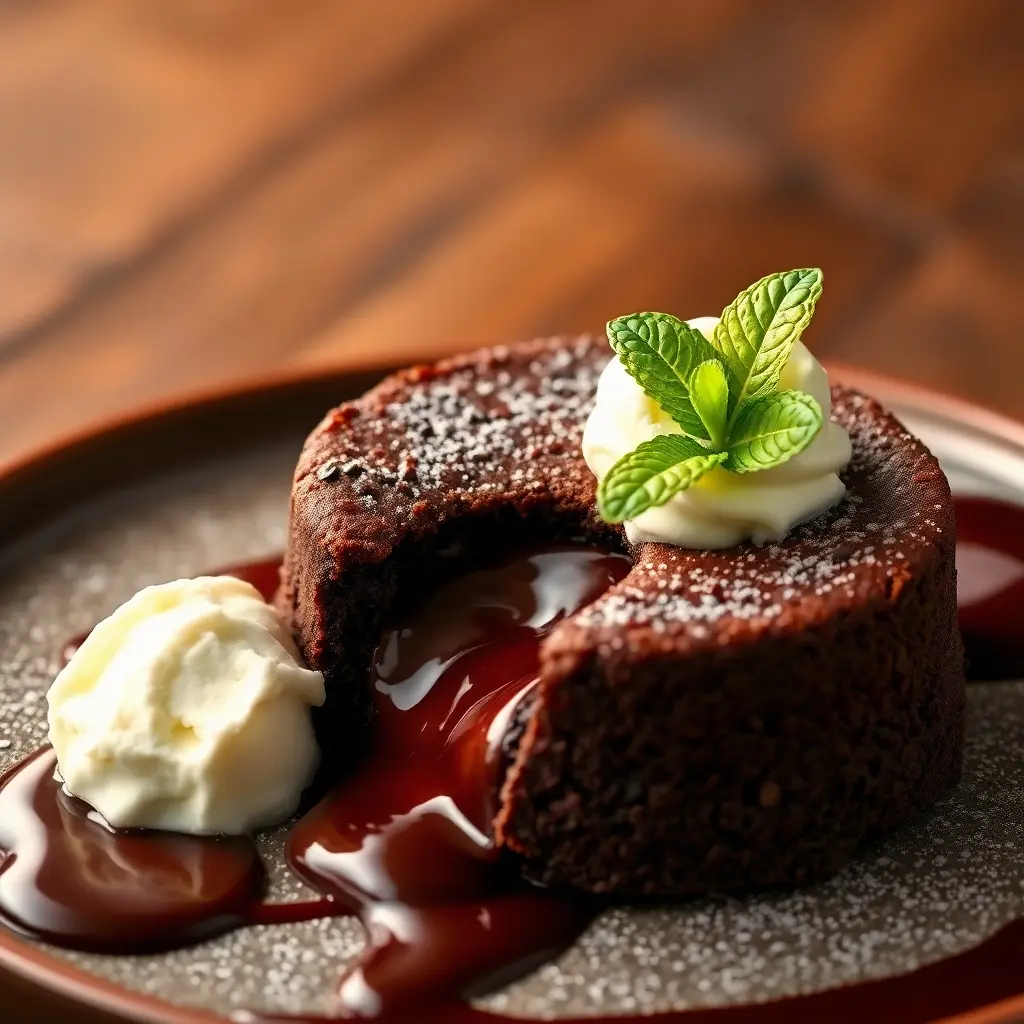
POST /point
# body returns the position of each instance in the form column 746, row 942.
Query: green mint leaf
column 771, row 430
column 660, row 352
column 759, row 328
column 709, row 392
column 651, row 474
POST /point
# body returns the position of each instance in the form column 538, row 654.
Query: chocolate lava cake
column 717, row 720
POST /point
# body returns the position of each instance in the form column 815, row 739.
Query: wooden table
column 197, row 192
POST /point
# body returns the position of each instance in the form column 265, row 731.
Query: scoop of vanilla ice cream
column 188, row 709
column 721, row 509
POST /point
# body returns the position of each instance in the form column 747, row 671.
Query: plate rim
column 31, row 962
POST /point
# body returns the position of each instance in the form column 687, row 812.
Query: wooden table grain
column 195, row 193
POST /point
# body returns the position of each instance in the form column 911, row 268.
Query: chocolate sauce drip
column 990, row 586
column 404, row 843
column 70, row 879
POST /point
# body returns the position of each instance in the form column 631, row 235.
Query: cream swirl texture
column 188, row 709
column 722, row 508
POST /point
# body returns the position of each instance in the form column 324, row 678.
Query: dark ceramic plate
column 198, row 485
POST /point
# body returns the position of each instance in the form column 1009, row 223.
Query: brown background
column 205, row 190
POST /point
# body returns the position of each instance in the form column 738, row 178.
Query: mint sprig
column 771, row 430
column 709, row 392
column 723, row 395
column 660, row 352
column 759, row 328
column 650, row 474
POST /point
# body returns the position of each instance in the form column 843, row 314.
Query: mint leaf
column 651, row 474
column 759, row 328
column 660, row 352
column 709, row 392
column 771, row 430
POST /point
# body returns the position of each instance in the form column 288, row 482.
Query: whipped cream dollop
column 188, row 709
column 722, row 508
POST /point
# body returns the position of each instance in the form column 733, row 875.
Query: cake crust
column 718, row 720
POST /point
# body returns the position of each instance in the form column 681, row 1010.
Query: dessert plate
column 189, row 487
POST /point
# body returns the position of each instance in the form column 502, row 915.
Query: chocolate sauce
column 69, row 878
column 990, row 586
column 404, row 843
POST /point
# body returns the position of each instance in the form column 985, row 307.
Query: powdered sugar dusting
column 465, row 432
column 514, row 424
column 886, row 520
